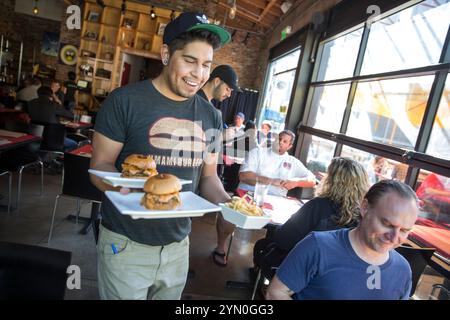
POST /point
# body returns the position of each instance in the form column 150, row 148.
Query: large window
column 377, row 167
column 319, row 155
column 411, row 38
column 390, row 111
column 339, row 56
column 328, row 105
column 439, row 143
column 278, row 89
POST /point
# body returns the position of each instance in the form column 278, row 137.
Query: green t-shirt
column 177, row 134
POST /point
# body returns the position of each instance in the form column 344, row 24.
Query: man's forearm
column 251, row 178
column 211, row 189
column 306, row 183
column 277, row 295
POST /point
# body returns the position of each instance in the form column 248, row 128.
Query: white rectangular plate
column 114, row 179
column 242, row 220
column 191, row 206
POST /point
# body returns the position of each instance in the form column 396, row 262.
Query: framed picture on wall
column 93, row 16
column 161, row 27
column 50, row 44
column 91, row 35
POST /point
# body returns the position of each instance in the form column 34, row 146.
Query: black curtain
column 245, row 102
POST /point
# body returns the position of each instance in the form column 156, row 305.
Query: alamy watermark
column 74, row 277
column 374, row 280
column 74, row 19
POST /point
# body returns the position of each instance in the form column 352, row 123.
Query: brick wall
column 30, row 30
column 66, row 36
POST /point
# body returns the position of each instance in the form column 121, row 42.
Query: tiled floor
column 31, row 225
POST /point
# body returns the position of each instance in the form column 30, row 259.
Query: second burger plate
column 114, row 179
column 191, row 206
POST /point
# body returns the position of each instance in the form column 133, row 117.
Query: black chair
column 32, row 272
column 53, row 138
column 25, row 157
column 444, row 293
column 418, row 259
column 9, row 174
column 76, row 184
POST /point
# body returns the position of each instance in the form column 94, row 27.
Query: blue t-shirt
column 324, row 266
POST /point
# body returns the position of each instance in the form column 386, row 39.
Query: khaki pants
column 139, row 272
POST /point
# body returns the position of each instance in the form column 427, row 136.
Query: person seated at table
column 434, row 192
column 336, row 205
column 30, row 90
column 44, row 110
column 272, row 166
column 377, row 169
column 275, row 167
column 358, row 263
column 57, row 94
column 264, row 136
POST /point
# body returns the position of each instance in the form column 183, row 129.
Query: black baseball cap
column 188, row 21
column 227, row 74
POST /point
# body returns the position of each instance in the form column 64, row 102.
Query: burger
column 138, row 166
column 162, row 192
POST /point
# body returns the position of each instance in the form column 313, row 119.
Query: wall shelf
column 114, row 38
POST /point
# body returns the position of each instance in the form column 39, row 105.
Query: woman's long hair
column 345, row 183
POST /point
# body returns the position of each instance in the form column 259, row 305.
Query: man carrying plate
column 164, row 118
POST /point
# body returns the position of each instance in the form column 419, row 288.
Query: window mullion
column 353, row 86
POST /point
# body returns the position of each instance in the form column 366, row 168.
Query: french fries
column 250, row 209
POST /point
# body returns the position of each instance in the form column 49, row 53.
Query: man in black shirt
column 70, row 91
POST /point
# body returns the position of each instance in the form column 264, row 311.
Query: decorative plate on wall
column 68, row 54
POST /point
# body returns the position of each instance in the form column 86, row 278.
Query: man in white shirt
column 277, row 168
column 273, row 166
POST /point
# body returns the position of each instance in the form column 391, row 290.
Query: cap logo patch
column 202, row 19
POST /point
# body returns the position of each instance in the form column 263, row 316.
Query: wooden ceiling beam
column 258, row 4
column 250, row 8
column 267, row 9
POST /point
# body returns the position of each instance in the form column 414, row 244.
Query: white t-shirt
column 28, row 93
column 265, row 162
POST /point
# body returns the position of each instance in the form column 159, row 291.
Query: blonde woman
column 336, row 205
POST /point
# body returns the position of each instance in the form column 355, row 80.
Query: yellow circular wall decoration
column 68, row 54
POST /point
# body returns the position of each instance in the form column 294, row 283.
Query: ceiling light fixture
column 285, row 6
column 35, row 9
column 233, row 10
column 152, row 13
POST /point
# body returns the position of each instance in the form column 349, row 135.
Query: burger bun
column 161, row 184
